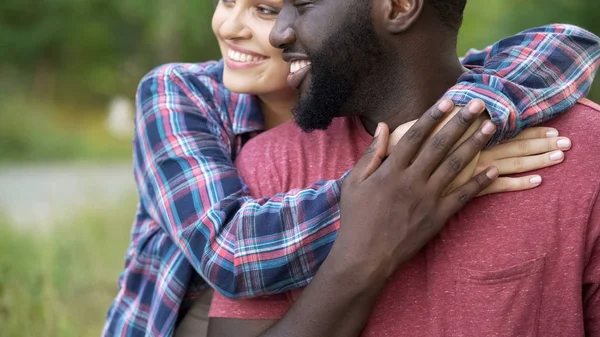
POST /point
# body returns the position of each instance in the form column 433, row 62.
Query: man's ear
column 401, row 14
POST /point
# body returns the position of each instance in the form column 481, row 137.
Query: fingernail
column 492, row 173
column 476, row 106
column 378, row 130
column 552, row 133
column 445, row 105
column 556, row 155
column 488, row 128
column 564, row 143
column 535, row 180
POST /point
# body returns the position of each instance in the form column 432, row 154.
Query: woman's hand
column 532, row 149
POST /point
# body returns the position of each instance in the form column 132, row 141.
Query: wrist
column 357, row 273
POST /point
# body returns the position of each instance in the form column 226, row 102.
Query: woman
column 194, row 209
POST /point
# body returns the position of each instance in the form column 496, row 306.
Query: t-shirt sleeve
column 264, row 307
column 591, row 275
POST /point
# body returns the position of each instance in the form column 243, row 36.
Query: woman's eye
column 264, row 10
column 228, row 2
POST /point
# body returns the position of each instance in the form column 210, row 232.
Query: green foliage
column 97, row 47
column 490, row 20
column 60, row 282
column 61, row 54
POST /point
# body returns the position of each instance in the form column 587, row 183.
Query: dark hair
column 450, row 11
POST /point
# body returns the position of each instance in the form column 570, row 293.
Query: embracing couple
column 400, row 215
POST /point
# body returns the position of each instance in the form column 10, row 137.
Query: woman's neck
column 277, row 108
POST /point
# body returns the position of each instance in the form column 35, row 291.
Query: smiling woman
column 196, row 220
column 252, row 65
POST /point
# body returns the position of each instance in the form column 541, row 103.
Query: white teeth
column 298, row 64
column 240, row 57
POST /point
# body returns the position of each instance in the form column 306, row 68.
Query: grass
column 37, row 131
column 60, row 282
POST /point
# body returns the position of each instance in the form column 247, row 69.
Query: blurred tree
column 97, row 48
column 91, row 50
column 488, row 21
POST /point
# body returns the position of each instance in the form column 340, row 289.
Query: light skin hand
column 533, row 149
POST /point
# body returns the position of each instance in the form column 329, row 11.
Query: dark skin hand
column 390, row 209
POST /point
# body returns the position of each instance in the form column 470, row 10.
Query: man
column 524, row 264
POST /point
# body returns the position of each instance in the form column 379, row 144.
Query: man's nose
column 282, row 34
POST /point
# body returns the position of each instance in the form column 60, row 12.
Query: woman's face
column 252, row 65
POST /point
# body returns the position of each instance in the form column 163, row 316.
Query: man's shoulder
column 581, row 123
column 590, row 104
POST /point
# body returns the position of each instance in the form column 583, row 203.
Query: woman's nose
column 235, row 26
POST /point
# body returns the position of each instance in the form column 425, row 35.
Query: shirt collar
column 246, row 114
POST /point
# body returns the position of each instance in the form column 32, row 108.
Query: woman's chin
column 251, row 85
column 237, row 85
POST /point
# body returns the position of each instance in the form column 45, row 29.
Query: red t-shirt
column 513, row 264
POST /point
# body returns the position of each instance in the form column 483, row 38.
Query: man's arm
column 530, row 77
column 390, row 210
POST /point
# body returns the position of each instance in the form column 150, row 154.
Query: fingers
column 397, row 134
column 505, row 184
column 536, row 132
column 373, row 155
column 524, row 164
column 459, row 197
column 462, row 156
column 526, row 147
column 413, row 139
column 438, row 147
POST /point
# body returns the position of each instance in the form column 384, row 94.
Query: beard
column 337, row 71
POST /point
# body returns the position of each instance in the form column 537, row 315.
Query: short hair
column 450, row 11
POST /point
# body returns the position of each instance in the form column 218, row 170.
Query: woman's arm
column 530, row 77
column 189, row 185
column 240, row 245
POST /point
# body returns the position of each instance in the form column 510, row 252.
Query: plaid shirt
column 195, row 214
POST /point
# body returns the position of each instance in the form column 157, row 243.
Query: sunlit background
column 68, row 74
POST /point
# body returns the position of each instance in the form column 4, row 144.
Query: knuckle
column 523, row 147
column 454, row 164
column 505, row 185
column 517, row 164
column 550, row 145
column 463, row 196
column 542, row 162
column 463, row 118
column 435, row 114
column 369, row 150
column 438, row 143
column 481, row 180
column 414, row 136
column 477, row 140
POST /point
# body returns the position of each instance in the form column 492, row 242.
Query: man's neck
column 407, row 91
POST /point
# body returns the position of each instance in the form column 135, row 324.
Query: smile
column 242, row 57
column 299, row 69
column 298, row 65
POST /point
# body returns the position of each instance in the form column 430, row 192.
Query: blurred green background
column 68, row 74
